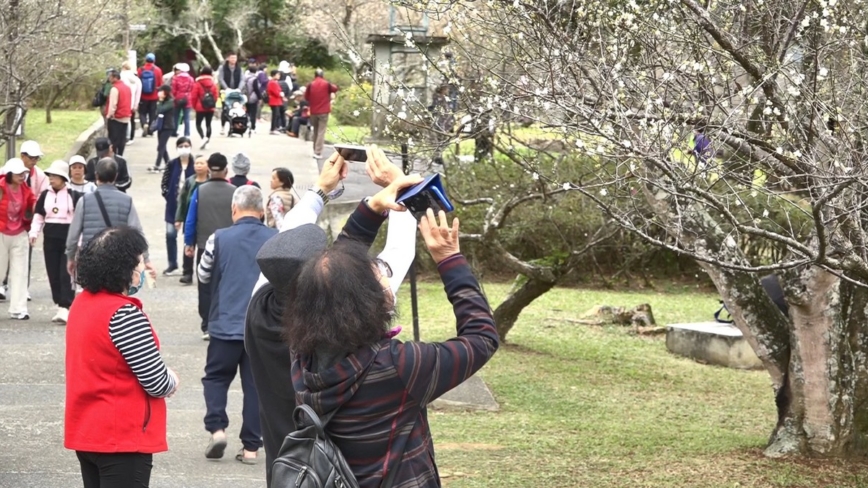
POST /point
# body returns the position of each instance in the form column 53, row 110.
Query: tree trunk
column 506, row 314
column 823, row 408
column 49, row 104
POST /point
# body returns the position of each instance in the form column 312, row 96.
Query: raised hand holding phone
column 382, row 171
column 333, row 171
column 440, row 238
column 385, row 199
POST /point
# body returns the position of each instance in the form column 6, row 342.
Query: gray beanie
column 241, row 164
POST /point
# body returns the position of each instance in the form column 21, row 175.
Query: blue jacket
column 192, row 218
column 170, row 183
column 234, row 274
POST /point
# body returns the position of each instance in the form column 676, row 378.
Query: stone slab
column 712, row 343
column 473, row 394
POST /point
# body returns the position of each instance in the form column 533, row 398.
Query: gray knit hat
column 241, row 164
column 282, row 256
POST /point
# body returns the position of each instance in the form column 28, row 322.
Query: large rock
column 712, row 343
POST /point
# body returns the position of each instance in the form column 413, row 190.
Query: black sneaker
column 170, row 271
column 186, row 279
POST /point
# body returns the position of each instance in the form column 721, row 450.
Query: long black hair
column 336, row 302
column 108, row 260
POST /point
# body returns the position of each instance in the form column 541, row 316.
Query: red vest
column 107, row 410
column 125, row 101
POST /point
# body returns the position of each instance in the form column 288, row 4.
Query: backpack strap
column 718, row 313
column 105, row 216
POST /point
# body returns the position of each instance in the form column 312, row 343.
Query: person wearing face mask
column 114, row 369
column 229, row 265
column 16, row 213
column 55, row 209
column 177, row 172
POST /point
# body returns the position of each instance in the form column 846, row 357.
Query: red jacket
column 319, row 94
column 107, row 410
column 158, row 78
column 275, row 94
column 182, row 87
column 125, row 101
column 202, row 85
column 26, row 209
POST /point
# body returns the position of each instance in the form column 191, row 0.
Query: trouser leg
column 204, row 295
column 118, row 470
column 18, row 270
column 172, row 244
column 251, row 430
column 221, row 363
column 275, row 114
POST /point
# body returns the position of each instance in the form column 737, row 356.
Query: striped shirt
column 130, row 332
column 206, row 264
column 381, row 392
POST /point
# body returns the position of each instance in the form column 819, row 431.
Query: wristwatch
column 321, row 193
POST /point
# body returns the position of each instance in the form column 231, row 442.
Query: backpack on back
column 309, row 459
column 149, row 81
column 208, row 101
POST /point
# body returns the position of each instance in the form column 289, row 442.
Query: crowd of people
column 316, row 327
column 318, row 322
column 163, row 102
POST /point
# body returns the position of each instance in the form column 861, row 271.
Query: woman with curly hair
column 117, row 381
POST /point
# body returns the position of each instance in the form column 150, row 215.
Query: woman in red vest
column 117, row 381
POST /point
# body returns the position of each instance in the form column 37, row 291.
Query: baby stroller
column 235, row 112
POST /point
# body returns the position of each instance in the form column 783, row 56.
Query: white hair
column 248, row 198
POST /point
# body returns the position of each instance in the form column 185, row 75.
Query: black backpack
column 99, row 98
column 309, row 459
column 208, row 101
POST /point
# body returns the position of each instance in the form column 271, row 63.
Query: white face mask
column 184, row 151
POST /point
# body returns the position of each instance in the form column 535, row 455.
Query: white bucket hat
column 77, row 160
column 59, row 168
column 32, row 149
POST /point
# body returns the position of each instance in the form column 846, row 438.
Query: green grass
column 56, row 138
column 585, row 406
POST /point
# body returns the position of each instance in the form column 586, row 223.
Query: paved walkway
column 31, row 361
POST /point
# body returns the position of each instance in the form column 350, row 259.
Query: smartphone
column 428, row 194
column 352, row 153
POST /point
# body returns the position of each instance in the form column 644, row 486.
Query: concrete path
column 31, row 361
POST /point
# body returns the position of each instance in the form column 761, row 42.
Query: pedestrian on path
column 241, row 166
column 116, row 379
column 16, row 213
column 152, row 79
column 182, row 87
column 106, row 207
column 129, row 77
column 319, row 94
column 253, row 91
column 55, row 209
column 281, row 199
column 229, row 264
column 77, row 168
column 275, row 101
column 178, row 170
column 104, row 149
column 204, row 97
column 118, row 111
column 210, row 210
column 201, row 175
column 165, row 127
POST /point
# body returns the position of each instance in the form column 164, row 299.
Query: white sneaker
column 19, row 316
column 206, row 336
column 2, row 292
column 205, row 143
column 130, row 143
column 61, row 317
column 222, row 132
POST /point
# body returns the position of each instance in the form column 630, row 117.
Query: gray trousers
column 319, row 124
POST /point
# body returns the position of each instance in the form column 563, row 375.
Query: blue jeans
column 172, row 244
column 184, row 115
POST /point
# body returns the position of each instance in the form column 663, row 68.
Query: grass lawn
column 56, row 138
column 585, row 406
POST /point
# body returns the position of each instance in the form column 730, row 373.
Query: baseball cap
column 217, row 162
column 15, row 166
column 31, row 148
column 77, row 160
column 150, row 57
column 102, row 144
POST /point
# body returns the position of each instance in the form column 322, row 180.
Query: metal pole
column 414, row 297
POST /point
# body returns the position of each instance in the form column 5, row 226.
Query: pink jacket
column 62, row 201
